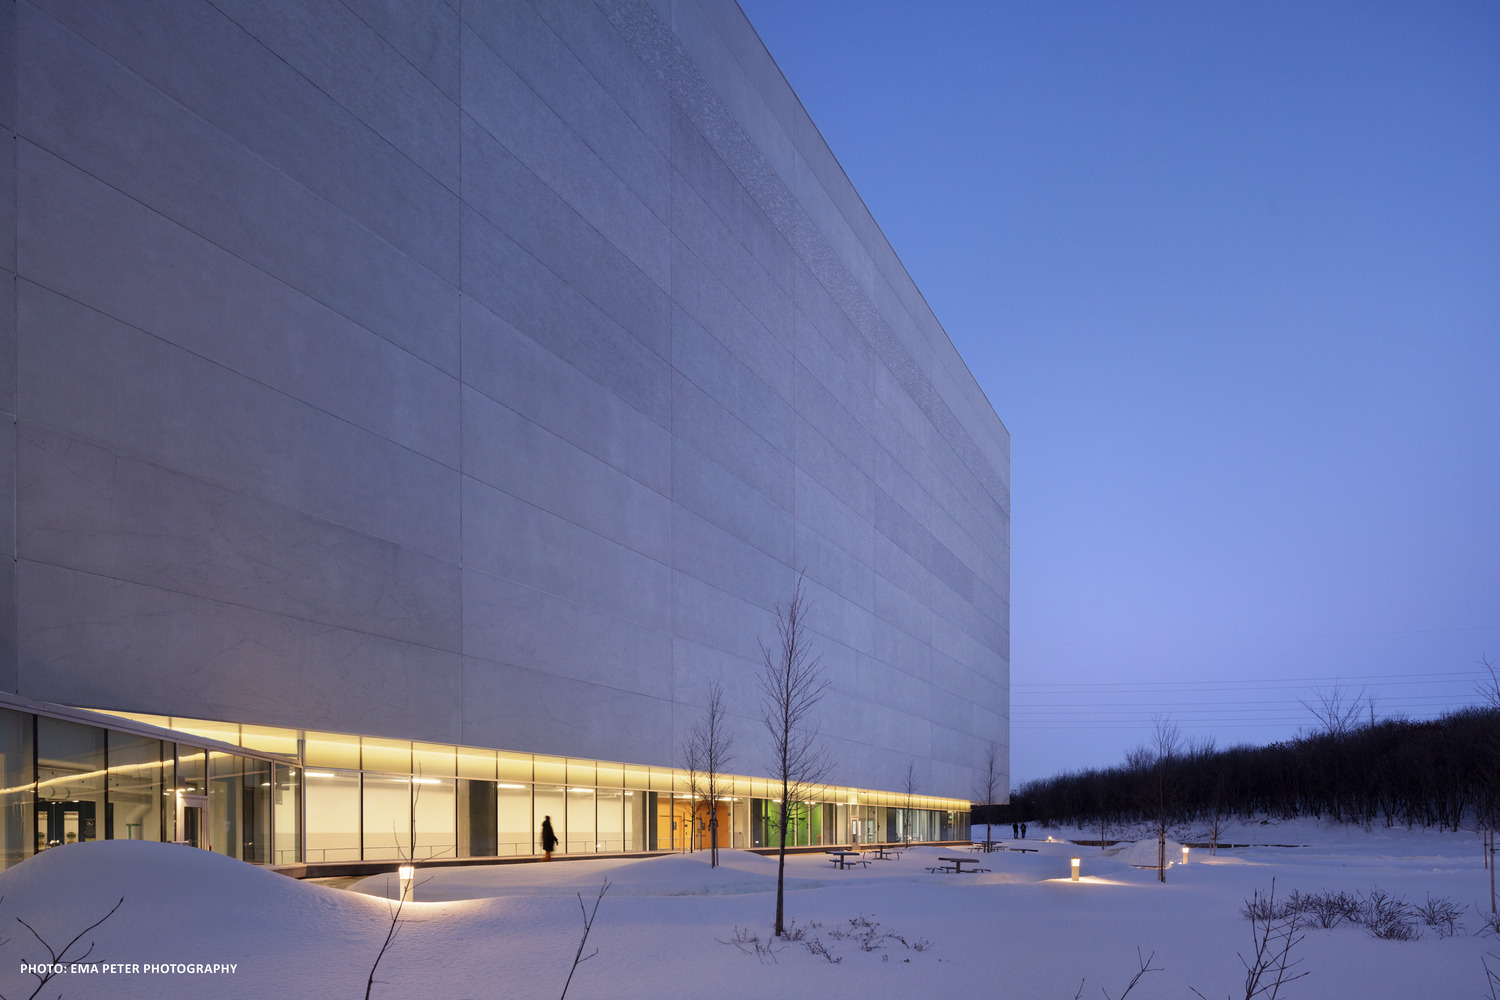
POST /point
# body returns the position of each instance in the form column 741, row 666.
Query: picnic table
column 885, row 853
column 843, row 859
column 956, row 865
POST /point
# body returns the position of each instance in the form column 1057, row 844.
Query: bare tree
column 692, row 763
column 714, row 750
column 987, row 786
column 1338, row 712
column 791, row 685
column 908, row 793
column 1164, row 749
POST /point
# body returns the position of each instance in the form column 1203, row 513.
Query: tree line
column 1434, row 773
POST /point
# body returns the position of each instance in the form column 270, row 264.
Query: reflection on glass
column 332, row 815
column 387, row 817
column 516, row 833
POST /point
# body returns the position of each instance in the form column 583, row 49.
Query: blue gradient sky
column 1230, row 274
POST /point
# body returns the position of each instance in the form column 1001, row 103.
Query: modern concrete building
column 433, row 398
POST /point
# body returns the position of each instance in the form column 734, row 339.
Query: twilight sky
column 1230, row 274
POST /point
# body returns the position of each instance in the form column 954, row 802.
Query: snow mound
column 1142, row 853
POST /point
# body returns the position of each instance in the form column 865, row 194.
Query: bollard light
column 1075, row 869
column 406, row 873
column 1184, row 855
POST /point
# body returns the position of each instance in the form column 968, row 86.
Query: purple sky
column 1230, row 274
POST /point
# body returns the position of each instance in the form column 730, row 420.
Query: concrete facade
column 478, row 373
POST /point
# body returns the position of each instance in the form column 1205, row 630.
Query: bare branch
column 588, row 923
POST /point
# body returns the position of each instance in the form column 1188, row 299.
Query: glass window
column 550, row 802
column 550, row 770
column 386, row 755
column 17, row 793
column 387, row 816
column 70, row 782
column 477, row 813
column 516, row 834
column 582, row 772
column 192, row 770
column 635, row 819
column 287, row 808
column 136, row 766
column 332, row 815
column 433, row 760
column 609, row 805
column 282, row 741
column 478, row 764
column 514, row 767
column 580, row 839
column 329, row 750
column 435, row 806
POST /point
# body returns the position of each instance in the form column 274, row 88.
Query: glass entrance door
column 192, row 820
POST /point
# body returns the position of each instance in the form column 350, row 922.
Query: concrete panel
column 510, row 111
column 101, row 643
column 7, row 342
column 7, row 556
column 834, row 471
column 7, row 65
column 707, row 552
column 516, row 541
column 509, row 623
column 693, row 667
column 519, row 37
column 703, row 423
column 721, row 251
column 87, row 109
column 702, row 487
column 626, row 280
column 722, row 376
column 829, row 418
column 519, row 457
column 425, row 33
column 341, row 54
column 828, row 516
column 7, row 199
column 508, row 366
column 834, row 568
column 115, row 386
column 88, row 509
column 253, row 87
column 515, row 708
column 711, row 181
column 712, row 618
column 587, row 33
column 520, row 290
column 704, row 298
column 191, row 293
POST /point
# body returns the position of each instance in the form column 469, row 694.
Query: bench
column 843, row 859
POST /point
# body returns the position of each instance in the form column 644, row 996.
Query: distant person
column 549, row 839
column 1015, row 830
column 1023, row 831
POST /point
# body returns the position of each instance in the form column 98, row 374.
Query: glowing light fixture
column 406, row 873
column 1076, row 862
column 1184, row 855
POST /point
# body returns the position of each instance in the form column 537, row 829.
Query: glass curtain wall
column 17, row 787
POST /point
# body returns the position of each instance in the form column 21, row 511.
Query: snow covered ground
column 1023, row 930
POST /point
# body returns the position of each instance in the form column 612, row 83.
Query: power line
column 1250, row 638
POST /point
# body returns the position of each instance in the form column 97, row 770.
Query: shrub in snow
column 1387, row 917
column 1441, row 915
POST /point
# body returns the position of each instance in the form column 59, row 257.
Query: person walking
column 549, row 839
column 1015, row 831
column 1023, row 831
